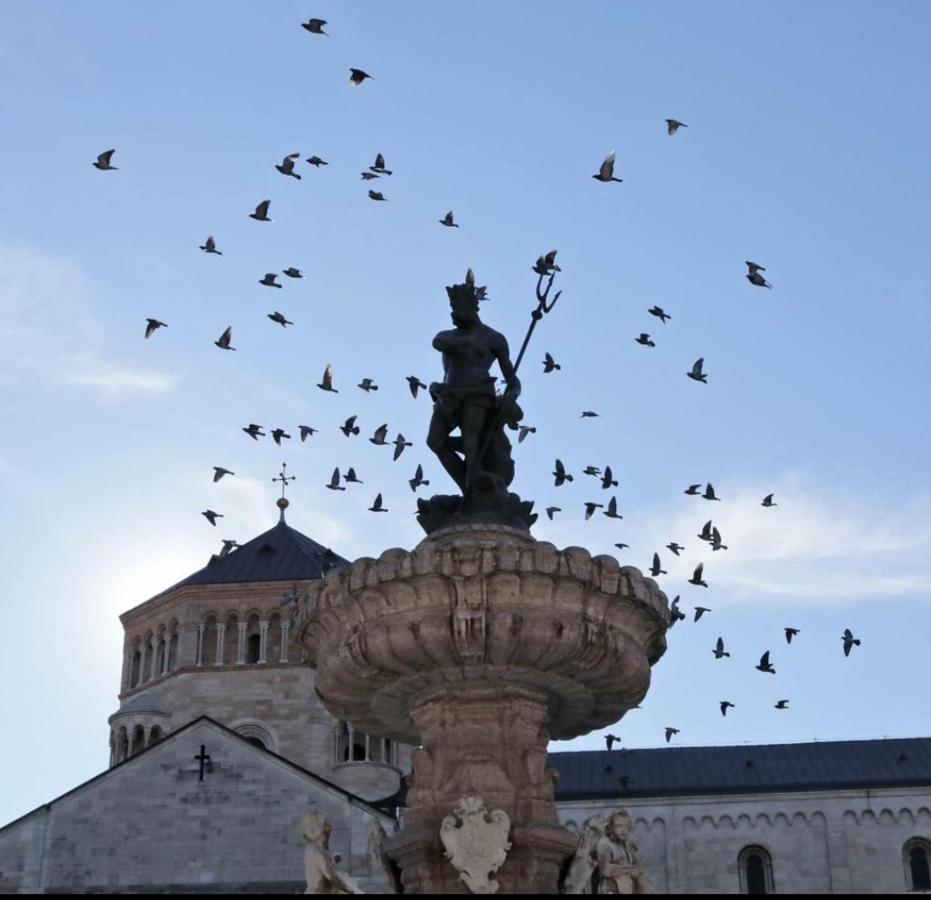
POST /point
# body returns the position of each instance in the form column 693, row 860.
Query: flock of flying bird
column 338, row 480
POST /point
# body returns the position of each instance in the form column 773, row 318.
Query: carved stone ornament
column 476, row 843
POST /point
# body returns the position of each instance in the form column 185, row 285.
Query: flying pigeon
column 782, row 704
column 268, row 279
column 592, row 470
column 357, row 76
column 326, row 383
column 549, row 364
column 696, row 578
column 659, row 313
column 219, row 472
column 692, row 490
column 306, row 432
column 379, row 167
column 675, row 614
column 224, row 342
column 334, row 484
column 316, row 161
column 376, row 506
column 588, row 414
column 790, row 633
column 368, row 176
column 754, row 276
column 611, row 740
column 314, row 26
column 674, row 548
column 228, row 547
column 724, row 704
column 212, row 516
column 550, row 510
column 672, row 126
column 415, row 384
column 278, row 434
column 103, row 161
column 765, row 665
column 655, row 569
column 152, row 326
column 590, row 509
column 644, row 340
column 447, row 220
column 709, row 492
column 670, row 732
column 849, row 641
column 291, row 272
column 523, row 431
column 719, row 650
column 261, row 212
column 254, row 431
column 376, row 195
column 606, row 172
column 349, row 427
column 350, row 477
column 768, row 501
column 705, row 533
column 210, row 246
column 696, row 374
column 716, row 540
column 622, row 546
column 560, row 474
column 287, row 165
column 380, row 436
column 607, row 480
column 399, row 445
column 418, row 479
column 699, row 612
column 279, row 318
column 611, row 512
column 367, row 384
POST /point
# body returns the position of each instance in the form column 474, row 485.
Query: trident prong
column 542, row 295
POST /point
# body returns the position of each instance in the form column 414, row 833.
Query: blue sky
column 806, row 151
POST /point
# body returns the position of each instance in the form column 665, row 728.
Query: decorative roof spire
column 284, row 478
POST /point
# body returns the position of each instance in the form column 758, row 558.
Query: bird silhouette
column 590, row 509
column 224, row 342
column 725, row 705
column 228, row 547
column 418, row 478
column 261, row 212
column 560, row 474
column 210, row 246
column 696, row 373
column 659, row 313
column 399, row 445
column 349, row 427
column 152, row 325
column 350, row 477
column 314, row 26
column 254, row 431
column 334, row 484
column 523, row 431
column 447, row 220
column 588, row 414
column 103, row 161
column 376, row 506
column 696, row 578
column 644, row 340
column 709, row 493
column 765, row 665
column 357, row 76
column 546, row 264
column 716, row 540
column 291, row 272
column 279, row 319
column 675, row 614
column 551, row 510
column 655, row 569
column 670, row 732
column 219, row 472
column 306, row 432
column 592, row 470
column 278, row 434
column 368, row 176
column 768, row 501
column 415, row 384
column 316, row 162
column 379, row 438
column 606, row 171
column 672, row 126
column 782, row 704
column 326, row 383
column 549, row 364
column 287, row 165
column 719, row 650
column 790, row 633
column 699, row 612
column 269, row 280
column 376, row 195
column 705, row 533
column 622, row 546
column 674, row 548
column 212, row 516
column 754, row 276
column 611, row 740
column 367, row 384
column 849, row 641
column 692, row 490
column 611, row 512
column 379, row 167
column 607, row 480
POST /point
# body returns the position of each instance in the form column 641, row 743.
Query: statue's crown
column 459, row 293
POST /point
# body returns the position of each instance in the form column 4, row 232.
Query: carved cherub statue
column 619, row 865
column 578, row 878
column 320, row 869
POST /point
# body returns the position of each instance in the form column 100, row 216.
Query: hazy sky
column 806, row 150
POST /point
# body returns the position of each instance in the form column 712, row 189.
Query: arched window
column 122, row 746
column 208, row 654
column 358, row 746
column 916, row 854
column 756, row 871
column 273, row 653
column 256, row 734
column 231, row 641
column 138, row 740
column 160, row 655
column 253, row 648
column 155, row 735
column 135, row 672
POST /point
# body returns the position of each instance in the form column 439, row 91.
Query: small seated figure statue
column 320, row 866
column 619, row 868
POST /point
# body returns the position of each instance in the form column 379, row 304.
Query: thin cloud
column 88, row 370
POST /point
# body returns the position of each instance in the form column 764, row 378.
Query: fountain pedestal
column 478, row 647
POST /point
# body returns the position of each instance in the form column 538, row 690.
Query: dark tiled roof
column 770, row 768
column 280, row 554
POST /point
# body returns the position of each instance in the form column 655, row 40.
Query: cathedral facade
column 220, row 745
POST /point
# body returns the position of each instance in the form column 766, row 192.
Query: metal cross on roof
column 284, row 478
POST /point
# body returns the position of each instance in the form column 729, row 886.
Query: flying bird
column 675, row 614
column 607, row 480
column 622, row 546
column 306, row 432
column 659, row 313
column 152, row 326
column 696, row 578
column 268, row 279
column 719, row 650
column 782, row 704
column 768, row 501
column 590, row 509
column 611, row 740
column 287, row 165
column 327, row 383
column 549, row 364
column 350, row 477
column 380, row 436
column 699, row 612
column 379, row 167
column 334, row 484
column 644, row 340
column 709, row 492
column 611, row 512
column 592, row 470
column 550, row 510
column 103, row 161
column 212, row 516
column 655, row 569
column 418, row 478
column 670, row 732
column 261, row 212
column 606, row 172
column 316, row 162
column 705, row 533
column 349, row 427
column 674, row 548
column 692, row 490
column 588, row 414
column 376, row 506
column 219, row 472
column 399, row 445
column 765, row 665
column 210, row 246
column 228, row 547
column 279, row 318
column 849, row 641
column 790, row 633
column 725, row 704
column 368, row 176
column 314, row 26
column 447, row 220
column 415, row 384
column 560, row 474
column 716, row 539
column 376, row 195
column 367, row 384
column 224, row 342
column 291, row 272
column 696, row 374
column 754, row 276
column 254, row 431
column 672, row 126
column 357, row 76
column 523, row 431
column 278, row 434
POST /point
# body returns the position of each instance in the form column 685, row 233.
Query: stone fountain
column 482, row 644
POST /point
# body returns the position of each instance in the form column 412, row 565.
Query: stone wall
column 819, row 842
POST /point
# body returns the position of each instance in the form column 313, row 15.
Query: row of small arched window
column 124, row 744
column 351, row 745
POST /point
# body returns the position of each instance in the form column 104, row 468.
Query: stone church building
column 219, row 746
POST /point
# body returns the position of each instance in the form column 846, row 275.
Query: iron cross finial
column 284, row 478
